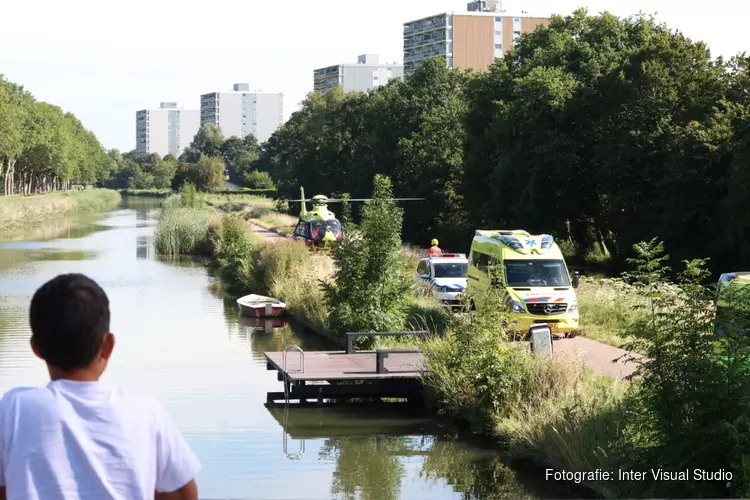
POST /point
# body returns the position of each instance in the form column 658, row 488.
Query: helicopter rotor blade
column 338, row 200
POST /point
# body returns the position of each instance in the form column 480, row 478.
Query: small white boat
column 259, row 306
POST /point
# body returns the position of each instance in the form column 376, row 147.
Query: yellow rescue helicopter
column 319, row 228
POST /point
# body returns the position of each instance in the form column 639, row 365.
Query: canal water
column 180, row 340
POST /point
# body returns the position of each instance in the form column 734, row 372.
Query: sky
column 103, row 61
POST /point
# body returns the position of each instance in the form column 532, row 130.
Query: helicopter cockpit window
column 317, row 229
column 302, row 230
column 335, row 227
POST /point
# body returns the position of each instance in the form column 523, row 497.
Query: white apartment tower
column 240, row 112
column 367, row 74
column 167, row 130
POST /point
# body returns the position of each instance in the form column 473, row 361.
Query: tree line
column 43, row 148
column 203, row 163
column 599, row 130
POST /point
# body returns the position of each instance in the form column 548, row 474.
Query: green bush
column 256, row 179
column 233, row 243
column 258, row 212
column 553, row 411
column 190, row 197
column 369, row 292
column 690, row 409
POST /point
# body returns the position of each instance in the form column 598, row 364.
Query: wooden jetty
column 349, row 374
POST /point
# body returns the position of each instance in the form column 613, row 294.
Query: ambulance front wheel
column 571, row 335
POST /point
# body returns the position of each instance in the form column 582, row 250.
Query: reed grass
column 184, row 230
column 18, row 213
column 288, row 271
column 147, row 193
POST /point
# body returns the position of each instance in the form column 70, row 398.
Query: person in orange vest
column 434, row 249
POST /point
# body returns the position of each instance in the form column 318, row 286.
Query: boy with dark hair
column 77, row 438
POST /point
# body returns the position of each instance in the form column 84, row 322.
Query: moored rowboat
column 259, row 306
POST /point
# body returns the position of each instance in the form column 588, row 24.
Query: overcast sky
column 105, row 60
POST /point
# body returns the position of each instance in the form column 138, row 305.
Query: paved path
column 266, row 234
column 597, row 356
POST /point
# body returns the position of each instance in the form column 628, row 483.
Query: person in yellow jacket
column 434, row 249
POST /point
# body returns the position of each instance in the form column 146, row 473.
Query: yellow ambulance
column 537, row 287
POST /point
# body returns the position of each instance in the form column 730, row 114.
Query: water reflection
column 375, row 449
column 182, row 342
column 78, row 227
column 144, row 248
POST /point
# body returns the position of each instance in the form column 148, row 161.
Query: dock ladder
column 300, row 369
column 301, row 453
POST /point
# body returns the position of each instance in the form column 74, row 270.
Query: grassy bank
column 147, row 193
column 552, row 412
column 18, row 213
column 686, row 410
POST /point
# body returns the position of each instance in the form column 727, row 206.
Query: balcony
column 323, row 82
column 410, row 56
column 426, row 25
column 421, row 40
column 323, row 72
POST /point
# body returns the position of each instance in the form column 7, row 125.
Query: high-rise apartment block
column 469, row 40
column 167, row 130
column 367, row 74
column 240, row 112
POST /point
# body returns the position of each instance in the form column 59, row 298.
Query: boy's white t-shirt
column 85, row 440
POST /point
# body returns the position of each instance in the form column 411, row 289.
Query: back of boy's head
column 69, row 317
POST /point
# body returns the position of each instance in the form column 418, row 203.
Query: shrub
column 370, row 291
column 551, row 410
column 690, row 407
column 256, row 179
column 258, row 212
column 233, row 243
column 189, row 196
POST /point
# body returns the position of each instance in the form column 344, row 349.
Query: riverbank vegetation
column 684, row 411
column 184, row 224
column 688, row 391
column 43, row 148
column 19, row 213
column 669, row 139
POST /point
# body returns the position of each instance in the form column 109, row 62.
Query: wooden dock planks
column 337, row 365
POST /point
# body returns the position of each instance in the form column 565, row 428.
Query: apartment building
column 240, row 112
column 467, row 40
column 366, row 74
column 166, row 130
